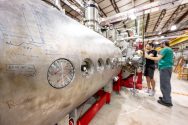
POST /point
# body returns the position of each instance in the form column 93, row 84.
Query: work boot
column 160, row 98
column 164, row 103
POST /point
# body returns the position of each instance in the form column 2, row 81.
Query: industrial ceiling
column 156, row 22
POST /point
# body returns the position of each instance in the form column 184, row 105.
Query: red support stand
column 128, row 82
column 104, row 97
column 117, row 86
column 87, row 117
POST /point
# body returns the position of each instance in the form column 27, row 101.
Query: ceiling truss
column 173, row 17
column 162, row 15
column 114, row 6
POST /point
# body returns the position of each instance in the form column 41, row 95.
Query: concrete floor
column 126, row 109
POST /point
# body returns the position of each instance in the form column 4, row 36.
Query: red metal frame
column 117, row 86
column 128, row 82
column 104, row 97
column 87, row 117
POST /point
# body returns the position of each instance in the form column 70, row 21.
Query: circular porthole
column 108, row 63
column 60, row 73
column 87, row 67
column 100, row 65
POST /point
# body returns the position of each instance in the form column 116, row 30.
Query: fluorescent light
column 173, row 27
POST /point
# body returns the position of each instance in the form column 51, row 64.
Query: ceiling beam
column 133, row 3
column 72, row 16
column 147, row 22
column 78, row 3
column 69, row 12
column 114, row 6
column 147, row 19
column 161, row 16
column 150, row 8
column 51, row 3
column 74, row 7
column 173, row 17
column 100, row 1
column 100, row 10
column 183, row 30
column 181, row 17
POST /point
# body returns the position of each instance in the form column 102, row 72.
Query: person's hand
column 139, row 52
column 146, row 55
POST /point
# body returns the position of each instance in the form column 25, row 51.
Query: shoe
column 160, row 98
column 152, row 93
column 147, row 90
column 164, row 103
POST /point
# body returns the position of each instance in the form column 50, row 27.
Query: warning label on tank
column 23, row 69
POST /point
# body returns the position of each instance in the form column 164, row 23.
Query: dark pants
column 165, row 85
column 149, row 71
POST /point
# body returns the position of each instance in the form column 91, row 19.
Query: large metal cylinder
column 49, row 63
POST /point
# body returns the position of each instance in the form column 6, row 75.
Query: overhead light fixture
column 132, row 16
column 160, row 33
column 173, row 27
column 162, row 36
column 156, row 42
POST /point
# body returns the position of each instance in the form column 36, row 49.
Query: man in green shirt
column 165, row 67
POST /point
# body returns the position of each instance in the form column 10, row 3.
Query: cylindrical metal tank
column 49, row 63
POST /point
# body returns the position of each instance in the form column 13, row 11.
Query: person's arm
column 163, row 52
column 153, row 58
column 151, row 55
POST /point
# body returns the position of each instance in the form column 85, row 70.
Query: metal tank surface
column 49, row 63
